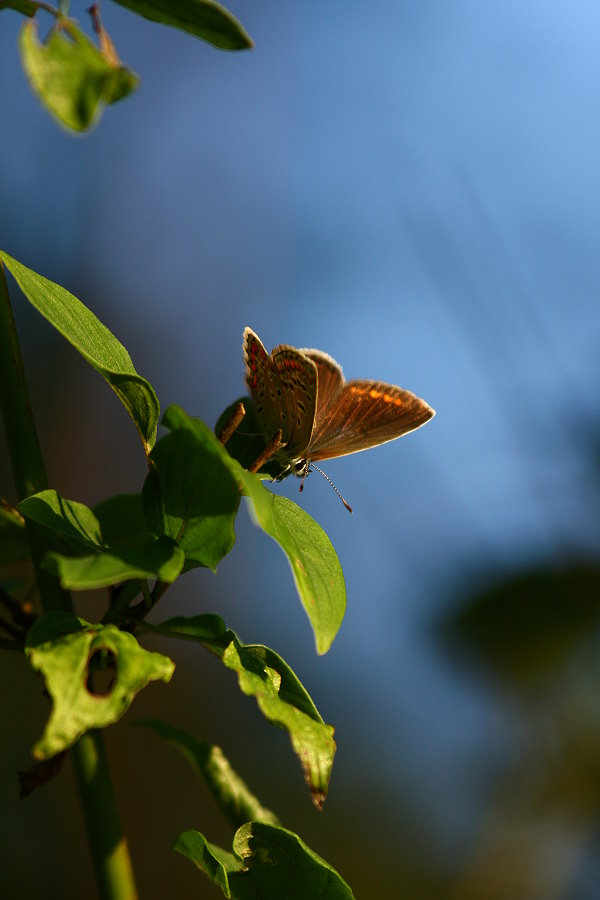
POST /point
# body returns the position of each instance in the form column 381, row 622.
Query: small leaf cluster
column 135, row 546
column 75, row 78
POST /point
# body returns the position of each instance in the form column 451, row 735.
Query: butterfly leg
column 272, row 447
column 232, row 423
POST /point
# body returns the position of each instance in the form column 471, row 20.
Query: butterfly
column 303, row 395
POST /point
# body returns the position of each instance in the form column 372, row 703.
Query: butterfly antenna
column 327, row 478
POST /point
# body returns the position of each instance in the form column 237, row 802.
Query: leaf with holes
column 269, row 862
column 65, row 649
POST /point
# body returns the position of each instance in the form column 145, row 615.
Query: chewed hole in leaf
column 102, row 672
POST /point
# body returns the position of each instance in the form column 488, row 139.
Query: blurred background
column 415, row 189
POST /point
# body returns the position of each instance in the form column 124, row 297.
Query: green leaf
column 235, row 799
column 63, row 648
column 67, row 518
column 94, row 342
column 317, row 571
column 72, row 77
column 191, row 495
column 210, row 859
column 276, row 863
column 282, row 699
column 98, row 563
column 121, row 521
column 205, row 19
column 161, row 559
column 13, row 536
column 315, row 566
column 23, row 6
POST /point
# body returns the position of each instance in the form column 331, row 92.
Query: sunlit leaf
column 162, row 560
column 315, row 566
column 69, row 519
column 282, row 699
column 91, row 561
column 269, row 863
column 63, row 649
column 94, row 342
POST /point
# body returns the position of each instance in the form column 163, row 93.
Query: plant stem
column 107, row 842
column 112, row 863
column 23, row 445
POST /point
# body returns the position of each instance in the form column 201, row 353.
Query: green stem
column 107, row 842
column 112, row 863
column 23, row 445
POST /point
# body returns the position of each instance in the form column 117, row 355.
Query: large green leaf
column 161, row 559
column 121, row 520
column 64, row 648
column 90, row 561
column 72, row 77
column 315, row 566
column 68, row 519
column 191, row 496
column 269, row 862
column 282, row 699
column 94, row 341
column 235, row 799
column 205, row 19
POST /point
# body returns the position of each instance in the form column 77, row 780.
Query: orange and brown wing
column 330, row 383
column 366, row 414
column 297, row 376
column 264, row 386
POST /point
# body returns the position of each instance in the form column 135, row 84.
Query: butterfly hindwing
column 329, row 386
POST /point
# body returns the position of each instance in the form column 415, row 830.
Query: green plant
column 136, row 546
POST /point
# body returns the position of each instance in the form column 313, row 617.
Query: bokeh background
column 414, row 188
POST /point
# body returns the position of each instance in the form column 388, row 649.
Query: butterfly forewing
column 265, row 387
column 297, row 376
column 365, row 414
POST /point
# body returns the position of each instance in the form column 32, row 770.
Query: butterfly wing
column 265, row 387
column 297, row 375
column 365, row 414
column 330, row 381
